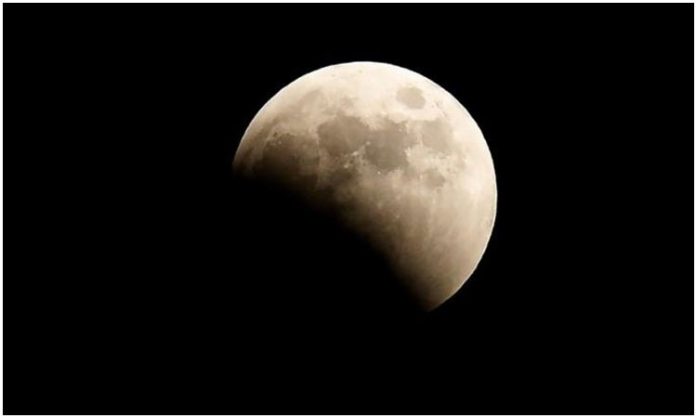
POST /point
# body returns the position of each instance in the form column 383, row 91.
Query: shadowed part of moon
column 286, row 158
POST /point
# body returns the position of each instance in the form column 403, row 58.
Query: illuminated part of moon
column 395, row 156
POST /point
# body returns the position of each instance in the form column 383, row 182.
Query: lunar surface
column 394, row 157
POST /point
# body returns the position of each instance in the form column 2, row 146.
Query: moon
column 394, row 157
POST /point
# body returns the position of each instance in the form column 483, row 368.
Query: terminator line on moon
column 394, row 156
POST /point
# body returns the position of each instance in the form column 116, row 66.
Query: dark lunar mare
column 316, row 270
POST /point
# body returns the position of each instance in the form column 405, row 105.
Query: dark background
column 141, row 277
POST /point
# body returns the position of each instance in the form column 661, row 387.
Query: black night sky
column 142, row 277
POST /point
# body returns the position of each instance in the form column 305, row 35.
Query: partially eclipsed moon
column 394, row 156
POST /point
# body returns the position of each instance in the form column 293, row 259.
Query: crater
column 411, row 97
